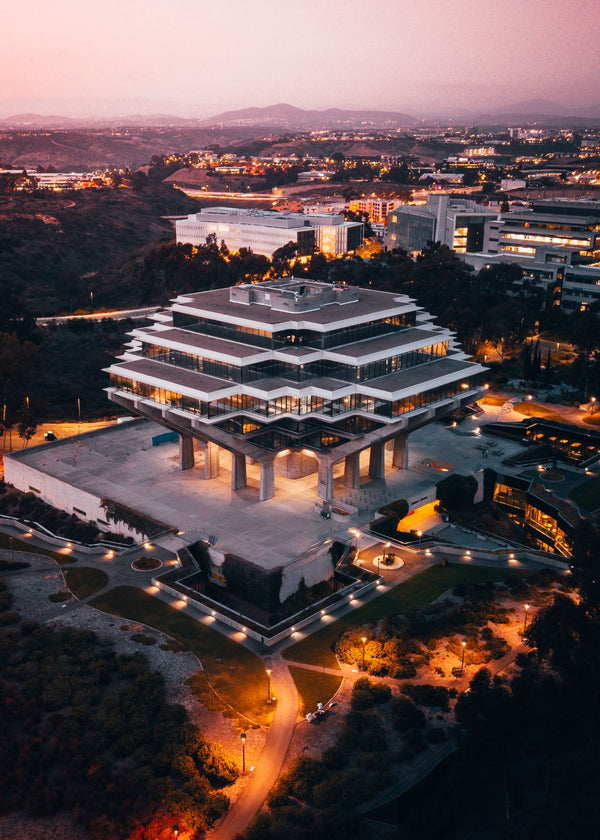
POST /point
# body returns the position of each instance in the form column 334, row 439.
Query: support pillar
column 352, row 471
column 267, row 480
column 186, row 452
column 211, row 458
column 238, row 471
column 400, row 452
column 325, row 485
column 377, row 460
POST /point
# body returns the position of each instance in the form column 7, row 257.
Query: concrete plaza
column 120, row 463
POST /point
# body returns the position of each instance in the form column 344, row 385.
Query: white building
column 264, row 231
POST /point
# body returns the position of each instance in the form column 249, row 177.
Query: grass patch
column 415, row 592
column 236, row 674
column 587, row 494
column 313, row 688
column 85, row 581
column 25, row 545
column 531, row 409
column 492, row 400
column 592, row 419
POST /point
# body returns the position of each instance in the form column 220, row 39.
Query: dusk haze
column 198, row 58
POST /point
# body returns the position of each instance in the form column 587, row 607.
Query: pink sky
column 210, row 56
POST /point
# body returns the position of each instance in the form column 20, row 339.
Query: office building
column 264, row 231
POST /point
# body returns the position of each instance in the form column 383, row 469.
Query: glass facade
column 289, row 338
column 295, row 373
column 300, row 406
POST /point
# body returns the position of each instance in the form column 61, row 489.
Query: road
column 115, row 315
column 271, row 759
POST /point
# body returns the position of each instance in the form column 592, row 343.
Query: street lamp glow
column 364, row 642
column 462, row 664
column 243, row 739
column 268, row 686
column 525, row 619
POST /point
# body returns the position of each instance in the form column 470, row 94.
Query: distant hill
column 288, row 116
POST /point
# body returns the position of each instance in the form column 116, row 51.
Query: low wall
column 61, row 495
column 270, row 635
column 61, row 542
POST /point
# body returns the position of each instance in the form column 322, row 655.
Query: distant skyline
column 194, row 58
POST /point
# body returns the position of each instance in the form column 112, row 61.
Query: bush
column 143, row 638
column 366, row 694
column 406, row 715
column 435, row 696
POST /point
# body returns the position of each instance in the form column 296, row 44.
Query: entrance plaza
column 121, row 463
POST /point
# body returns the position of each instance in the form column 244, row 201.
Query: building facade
column 264, row 231
column 456, row 222
column 296, row 371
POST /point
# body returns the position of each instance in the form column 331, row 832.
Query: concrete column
column 211, row 458
column 325, row 486
column 267, row 480
column 352, row 471
column 186, row 452
column 238, row 471
column 400, row 452
column 377, row 460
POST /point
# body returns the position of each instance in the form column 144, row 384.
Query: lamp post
column 175, row 831
column 462, row 664
column 268, row 686
column 386, row 546
column 364, row 642
column 593, row 402
column 243, row 737
column 525, row 618
column 78, row 415
column 12, row 547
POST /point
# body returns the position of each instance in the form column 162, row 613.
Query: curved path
column 271, row 759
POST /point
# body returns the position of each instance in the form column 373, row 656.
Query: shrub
column 435, row 696
column 366, row 694
column 406, row 715
column 143, row 638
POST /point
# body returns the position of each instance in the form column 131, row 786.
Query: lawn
column 531, row 409
column 418, row 590
column 84, row 581
column 235, row 673
column 587, row 494
column 25, row 545
column 492, row 399
column 313, row 688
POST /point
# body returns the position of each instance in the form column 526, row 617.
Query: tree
column 457, row 491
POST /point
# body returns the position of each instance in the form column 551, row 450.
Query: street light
column 175, row 831
column 462, row 664
column 525, row 619
column 243, row 737
column 268, row 686
column 364, row 642
column 12, row 547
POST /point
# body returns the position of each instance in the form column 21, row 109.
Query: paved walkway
column 272, row 757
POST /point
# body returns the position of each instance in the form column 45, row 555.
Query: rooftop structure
column 264, row 231
column 304, row 373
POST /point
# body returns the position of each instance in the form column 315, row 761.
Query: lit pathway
column 271, row 759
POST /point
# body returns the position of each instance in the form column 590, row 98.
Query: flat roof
column 370, row 304
column 201, row 342
column 357, row 349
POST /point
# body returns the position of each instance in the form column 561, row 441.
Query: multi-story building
column 456, row 222
column 570, row 225
column 376, row 209
column 294, row 369
column 264, row 231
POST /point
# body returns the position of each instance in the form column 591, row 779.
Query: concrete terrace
column 119, row 462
